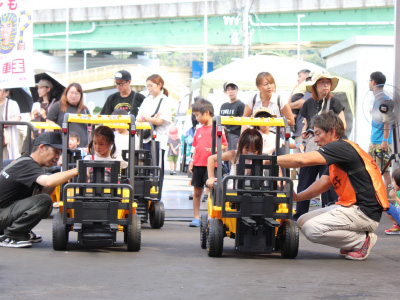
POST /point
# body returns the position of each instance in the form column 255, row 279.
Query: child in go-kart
column 250, row 142
column 102, row 147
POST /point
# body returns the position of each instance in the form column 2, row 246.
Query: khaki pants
column 337, row 226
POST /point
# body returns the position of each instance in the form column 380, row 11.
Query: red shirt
column 202, row 142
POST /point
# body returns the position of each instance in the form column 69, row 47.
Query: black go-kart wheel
column 288, row 234
column 133, row 234
column 203, row 231
column 60, row 233
column 157, row 214
column 215, row 237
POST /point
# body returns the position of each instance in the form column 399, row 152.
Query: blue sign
column 197, row 68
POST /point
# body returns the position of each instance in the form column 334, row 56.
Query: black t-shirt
column 311, row 108
column 346, row 158
column 18, row 181
column 130, row 103
column 235, row 109
column 57, row 116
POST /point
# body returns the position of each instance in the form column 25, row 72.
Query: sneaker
column 363, row 253
column 171, row 172
column 191, row 196
column 10, row 243
column 204, row 198
column 344, row 252
column 174, row 173
column 195, row 223
column 394, row 230
column 35, row 238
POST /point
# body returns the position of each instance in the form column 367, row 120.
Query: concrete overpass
column 161, row 26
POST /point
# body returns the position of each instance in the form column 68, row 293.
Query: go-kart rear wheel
column 157, row 214
column 203, row 231
column 215, row 237
column 289, row 239
column 60, row 233
column 133, row 234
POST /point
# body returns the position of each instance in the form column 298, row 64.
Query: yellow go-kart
column 252, row 209
column 99, row 209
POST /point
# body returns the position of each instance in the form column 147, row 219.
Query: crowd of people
column 353, row 193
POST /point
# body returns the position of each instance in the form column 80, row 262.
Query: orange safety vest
column 345, row 190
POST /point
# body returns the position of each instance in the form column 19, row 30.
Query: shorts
column 173, row 158
column 375, row 151
column 200, row 176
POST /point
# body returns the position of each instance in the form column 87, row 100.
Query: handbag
column 146, row 132
column 4, row 139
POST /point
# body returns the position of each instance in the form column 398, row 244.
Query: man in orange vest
column 350, row 223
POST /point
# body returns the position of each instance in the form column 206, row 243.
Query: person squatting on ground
column 25, row 189
column 202, row 141
column 350, row 223
column 394, row 210
column 250, row 142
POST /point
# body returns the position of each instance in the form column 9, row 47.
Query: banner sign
column 16, row 44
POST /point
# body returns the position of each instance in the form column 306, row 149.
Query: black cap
column 49, row 138
column 123, row 75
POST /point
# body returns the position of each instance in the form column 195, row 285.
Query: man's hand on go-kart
column 295, row 197
column 210, row 182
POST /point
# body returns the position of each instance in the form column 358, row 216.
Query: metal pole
column 85, row 52
column 298, row 35
column 396, row 140
column 245, row 28
column 205, row 39
column 67, row 44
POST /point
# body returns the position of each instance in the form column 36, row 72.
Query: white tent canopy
column 284, row 70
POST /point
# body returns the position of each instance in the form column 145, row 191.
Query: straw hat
column 320, row 75
column 263, row 113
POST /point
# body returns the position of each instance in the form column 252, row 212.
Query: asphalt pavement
column 171, row 265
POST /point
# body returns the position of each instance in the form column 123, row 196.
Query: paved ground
column 171, row 265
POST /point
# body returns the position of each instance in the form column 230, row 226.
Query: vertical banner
column 16, row 44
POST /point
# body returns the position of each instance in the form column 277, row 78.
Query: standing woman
column 44, row 88
column 157, row 110
column 71, row 102
column 268, row 98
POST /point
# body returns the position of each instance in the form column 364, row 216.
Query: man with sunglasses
column 125, row 98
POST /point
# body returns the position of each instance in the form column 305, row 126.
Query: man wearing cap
column 234, row 108
column 320, row 87
column 125, row 98
column 22, row 203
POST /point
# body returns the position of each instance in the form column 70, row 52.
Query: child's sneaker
column 363, row 253
column 394, row 230
column 195, row 223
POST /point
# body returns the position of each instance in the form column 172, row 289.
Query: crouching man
column 349, row 224
column 22, row 203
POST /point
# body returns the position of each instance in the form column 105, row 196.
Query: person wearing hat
column 234, row 108
column 125, row 98
column 39, row 113
column 173, row 151
column 23, row 198
column 349, row 223
column 322, row 100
